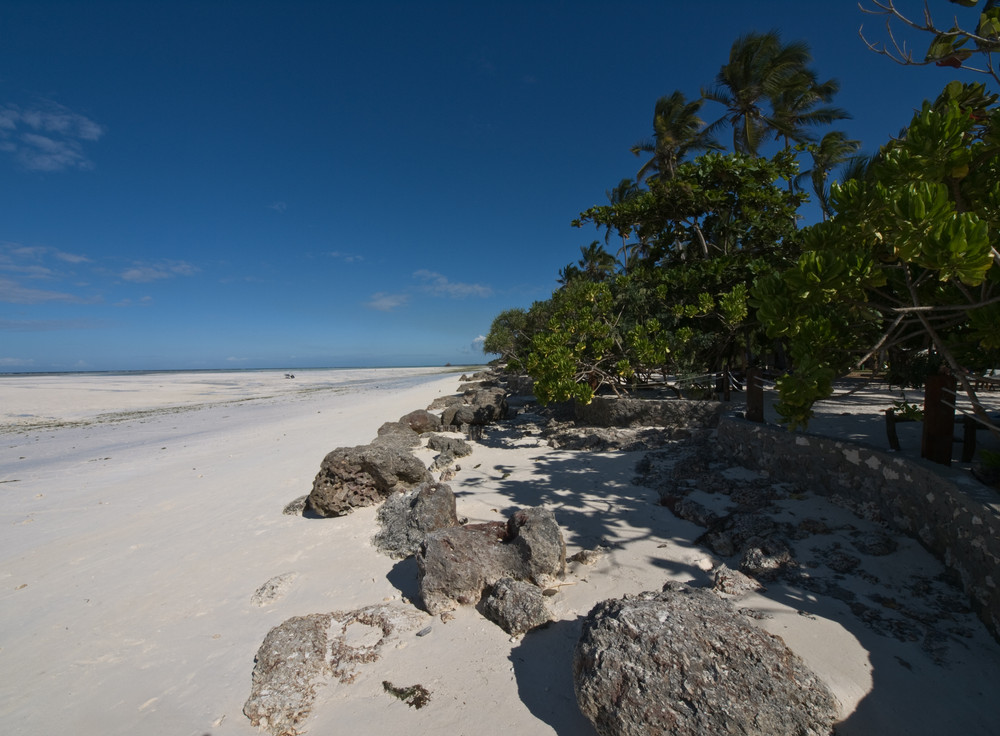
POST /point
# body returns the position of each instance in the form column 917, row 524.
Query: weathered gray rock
column 516, row 606
column 484, row 406
column 398, row 433
column 684, row 662
column 305, row 652
column 766, row 557
column 534, row 533
column 456, row 565
column 733, row 582
column 352, row 477
column 297, row 507
column 452, row 445
column 273, row 589
column 689, row 510
column 421, row 421
column 406, row 518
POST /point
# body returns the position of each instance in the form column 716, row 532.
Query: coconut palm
column 596, row 263
column 833, row 150
column 760, row 68
column 797, row 105
column 677, row 129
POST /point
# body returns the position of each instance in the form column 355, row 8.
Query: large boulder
column 406, row 518
column 484, row 406
column 685, row 662
column 398, row 433
column 421, row 421
column 352, row 477
column 516, row 606
column 452, row 445
column 455, row 566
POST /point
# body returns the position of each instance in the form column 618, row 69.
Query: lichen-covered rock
column 352, row 477
column 516, row 606
column 684, row 662
column 406, row 518
column 456, row 565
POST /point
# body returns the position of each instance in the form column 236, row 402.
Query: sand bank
column 132, row 549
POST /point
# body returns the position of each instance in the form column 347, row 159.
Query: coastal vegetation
column 710, row 268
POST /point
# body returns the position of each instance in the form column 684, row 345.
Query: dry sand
column 133, row 544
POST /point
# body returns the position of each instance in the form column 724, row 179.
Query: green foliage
column 586, row 344
column 907, row 262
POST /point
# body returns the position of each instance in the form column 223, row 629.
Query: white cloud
column 16, row 362
column 12, row 292
column 346, row 257
column 384, row 302
column 47, row 136
column 279, row 207
column 439, row 285
column 144, row 273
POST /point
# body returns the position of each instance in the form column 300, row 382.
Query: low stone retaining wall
column 614, row 411
column 953, row 515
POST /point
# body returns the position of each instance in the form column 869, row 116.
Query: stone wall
column 614, row 411
column 953, row 515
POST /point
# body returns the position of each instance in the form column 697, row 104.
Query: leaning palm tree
column 834, row 149
column 760, row 66
column 677, row 129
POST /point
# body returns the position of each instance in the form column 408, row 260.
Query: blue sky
column 250, row 184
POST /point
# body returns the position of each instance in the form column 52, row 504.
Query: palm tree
column 797, row 106
column 677, row 129
column 833, row 150
column 596, row 264
column 760, row 67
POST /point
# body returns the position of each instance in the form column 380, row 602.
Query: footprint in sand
column 273, row 589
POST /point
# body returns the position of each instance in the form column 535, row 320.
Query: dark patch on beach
column 415, row 696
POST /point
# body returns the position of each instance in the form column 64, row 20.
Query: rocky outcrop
column 352, row 477
column 516, row 606
column 451, row 445
column 455, row 566
column 405, row 519
column 685, row 662
column 398, row 433
column 482, row 406
column 306, row 652
column 421, row 421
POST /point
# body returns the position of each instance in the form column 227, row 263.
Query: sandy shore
column 134, row 543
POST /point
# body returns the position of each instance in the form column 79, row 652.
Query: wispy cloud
column 47, row 136
column 16, row 362
column 346, row 257
column 439, row 285
column 13, row 292
column 384, row 302
column 47, row 325
column 143, row 302
column 279, row 207
column 146, row 272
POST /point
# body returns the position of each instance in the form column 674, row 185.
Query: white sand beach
column 141, row 514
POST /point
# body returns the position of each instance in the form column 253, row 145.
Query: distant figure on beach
column 289, row 375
